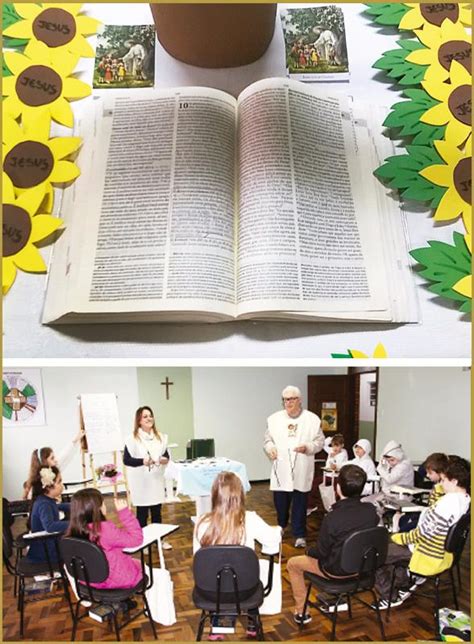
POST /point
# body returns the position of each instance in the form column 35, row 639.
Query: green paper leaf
column 10, row 17
column 445, row 265
column 5, row 70
column 401, row 172
column 395, row 64
column 405, row 117
column 341, row 355
column 386, row 13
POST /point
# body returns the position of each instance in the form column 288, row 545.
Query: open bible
column 197, row 206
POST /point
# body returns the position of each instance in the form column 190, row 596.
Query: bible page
column 156, row 202
column 308, row 231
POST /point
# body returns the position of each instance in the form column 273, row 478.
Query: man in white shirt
column 292, row 438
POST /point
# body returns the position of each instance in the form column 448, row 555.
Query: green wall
column 367, row 430
column 175, row 416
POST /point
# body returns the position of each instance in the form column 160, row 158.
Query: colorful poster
column 22, row 398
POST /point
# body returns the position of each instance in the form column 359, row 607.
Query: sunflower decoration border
column 39, row 81
column 433, row 68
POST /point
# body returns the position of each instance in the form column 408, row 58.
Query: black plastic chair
column 227, row 584
column 21, row 568
column 455, row 542
column 362, row 553
column 87, row 564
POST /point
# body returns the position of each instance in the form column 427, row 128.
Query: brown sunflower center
column 28, row 164
column 459, row 103
column 54, row 27
column 459, row 50
column 16, row 229
column 462, row 179
column 38, row 85
column 435, row 13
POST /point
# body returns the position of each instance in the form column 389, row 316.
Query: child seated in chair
column 46, row 490
column 229, row 523
column 348, row 515
column 88, row 521
column 422, row 550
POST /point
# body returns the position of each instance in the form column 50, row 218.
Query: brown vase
column 215, row 35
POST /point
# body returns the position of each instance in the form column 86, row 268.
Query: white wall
column 61, row 386
column 232, row 405
column 366, row 410
column 426, row 409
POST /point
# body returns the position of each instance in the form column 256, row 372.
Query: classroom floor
column 49, row 620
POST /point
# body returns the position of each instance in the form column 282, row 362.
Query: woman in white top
column 229, row 523
column 46, row 457
column 145, row 456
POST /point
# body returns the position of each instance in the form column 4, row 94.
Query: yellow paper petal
column 411, row 20
column 456, row 132
column 72, row 7
column 441, row 175
column 380, row 351
column 420, row 57
column 438, row 90
column 30, row 200
column 15, row 62
column 8, row 274
column 459, row 74
column 8, row 85
column 20, row 29
column 12, row 106
column 62, row 112
column 357, row 354
column 436, row 115
column 63, row 62
column 87, row 25
column 38, row 52
column 450, row 206
column 63, row 146
column 44, row 226
column 464, row 286
column 8, row 191
column 75, row 88
column 39, row 128
column 448, row 152
column 11, row 131
column 27, row 10
column 29, row 259
column 64, row 171
column 81, row 47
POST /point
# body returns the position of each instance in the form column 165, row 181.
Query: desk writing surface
column 442, row 333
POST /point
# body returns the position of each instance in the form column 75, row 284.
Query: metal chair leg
column 75, row 621
column 200, row 630
column 436, row 583
column 379, row 617
column 453, row 586
column 21, row 602
column 392, row 585
column 116, row 626
column 334, row 619
column 349, row 605
column 148, row 614
column 305, row 605
column 258, row 620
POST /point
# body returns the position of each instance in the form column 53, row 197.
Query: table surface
column 153, row 532
column 442, row 333
column 195, row 478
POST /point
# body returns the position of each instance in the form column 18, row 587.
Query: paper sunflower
column 31, row 158
column 443, row 45
column 456, row 177
column 22, row 228
column 56, row 25
column 454, row 109
column 379, row 352
column 464, row 285
column 41, row 82
column 422, row 14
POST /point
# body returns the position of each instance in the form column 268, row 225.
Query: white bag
column 160, row 597
column 328, row 495
column 272, row 603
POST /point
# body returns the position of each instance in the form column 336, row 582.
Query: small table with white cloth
column 195, row 478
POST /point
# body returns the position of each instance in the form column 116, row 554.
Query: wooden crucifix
column 167, row 383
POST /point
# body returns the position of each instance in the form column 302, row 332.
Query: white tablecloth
column 196, row 478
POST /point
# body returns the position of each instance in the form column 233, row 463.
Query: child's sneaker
column 215, row 637
column 302, row 619
column 402, row 595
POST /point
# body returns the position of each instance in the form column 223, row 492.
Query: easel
column 117, row 459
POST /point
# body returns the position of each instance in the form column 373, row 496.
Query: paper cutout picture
column 315, row 43
column 125, row 57
column 329, row 417
column 22, row 398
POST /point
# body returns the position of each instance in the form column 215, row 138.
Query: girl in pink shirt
column 88, row 521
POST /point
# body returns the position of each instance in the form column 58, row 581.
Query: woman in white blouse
column 145, row 455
